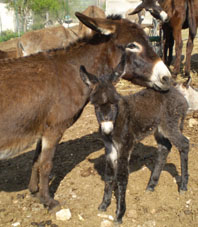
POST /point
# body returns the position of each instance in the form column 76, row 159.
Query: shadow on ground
column 15, row 172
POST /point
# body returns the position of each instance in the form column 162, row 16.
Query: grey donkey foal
column 123, row 122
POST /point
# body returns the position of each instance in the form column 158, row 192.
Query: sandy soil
column 77, row 180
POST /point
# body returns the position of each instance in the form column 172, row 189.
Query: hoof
column 117, row 222
column 182, row 190
column 102, row 207
column 149, row 189
column 54, row 208
column 54, row 205
column 33, row 189
column 50, row 203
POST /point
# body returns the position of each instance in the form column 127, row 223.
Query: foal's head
column 104, row 98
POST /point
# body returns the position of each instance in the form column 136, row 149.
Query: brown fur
column 126, row 120
column 41, row 95
column 45, row 39
column 182, row 14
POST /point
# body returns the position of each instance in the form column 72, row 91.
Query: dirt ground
column 77, row 180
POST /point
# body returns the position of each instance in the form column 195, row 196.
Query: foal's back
column 150, row 109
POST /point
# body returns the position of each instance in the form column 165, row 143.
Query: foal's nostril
column 165, row 79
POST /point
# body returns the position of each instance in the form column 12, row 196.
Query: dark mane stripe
column 114, row 17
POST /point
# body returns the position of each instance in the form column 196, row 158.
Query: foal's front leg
column 109, row 183
column 110, row 168
column 121, row 184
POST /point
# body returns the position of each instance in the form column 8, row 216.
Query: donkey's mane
column 91, row 39
column 114, row 17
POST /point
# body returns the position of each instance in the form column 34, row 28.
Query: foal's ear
column 101, row 25
column 88, row 78
column 139, row 8
column 120, row 67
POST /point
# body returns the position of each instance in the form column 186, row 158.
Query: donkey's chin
column 106, row 127
column 160, row 87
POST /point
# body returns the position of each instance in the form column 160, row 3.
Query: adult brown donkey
column 177, row 15
column 41, row 95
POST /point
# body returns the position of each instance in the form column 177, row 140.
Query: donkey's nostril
column 165, row 79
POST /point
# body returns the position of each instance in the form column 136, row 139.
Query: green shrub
column 8, row 34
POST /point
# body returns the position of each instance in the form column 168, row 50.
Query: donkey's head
column 154, row 7
column 121, row 33
column 138, row 67
column 104, row 97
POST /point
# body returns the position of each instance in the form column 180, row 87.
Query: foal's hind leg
column 164, row 147
column 182, row 143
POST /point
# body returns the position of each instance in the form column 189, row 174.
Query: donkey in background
column 190, row 93
column 123, row 122
column 177, row 15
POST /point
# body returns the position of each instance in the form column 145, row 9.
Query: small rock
column 80, row 217
column 188, row 201
column 106, row 223
column 63, row 215
column 149, row 224
column 192, row 122
column 16, row 224
column 153, row 211
column 106, row 216
column 132, row 214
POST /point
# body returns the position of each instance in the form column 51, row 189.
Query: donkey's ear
column 88, row 78
column 188, row 82
column 104, row 26
column 139, row 8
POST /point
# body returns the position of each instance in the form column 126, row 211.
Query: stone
column 106, row 223
column 192, row 122
column 63, row 215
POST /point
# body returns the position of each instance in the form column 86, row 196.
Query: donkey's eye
column 132, row 45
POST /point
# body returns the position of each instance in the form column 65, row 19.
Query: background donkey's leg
column 164, row 147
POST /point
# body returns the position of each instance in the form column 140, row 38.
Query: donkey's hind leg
column 49, row 142
column 34, row 180
column 164, row 147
